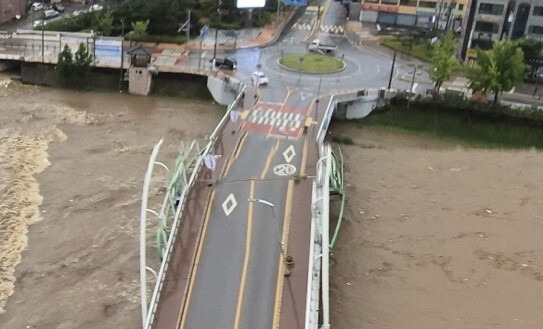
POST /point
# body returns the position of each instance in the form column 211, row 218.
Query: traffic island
column 311, row 63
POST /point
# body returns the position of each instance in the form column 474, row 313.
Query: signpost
column 203, row 33
column 250, row 3
column 296, row 2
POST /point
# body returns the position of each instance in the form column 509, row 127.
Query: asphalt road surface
column 236, row 281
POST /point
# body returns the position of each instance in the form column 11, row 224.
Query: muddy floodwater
column 71, row 172
column 434, row 236
column 438, row 236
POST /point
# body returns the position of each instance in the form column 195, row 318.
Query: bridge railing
column 148, row 310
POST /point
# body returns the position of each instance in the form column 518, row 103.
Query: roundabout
column 311, row 63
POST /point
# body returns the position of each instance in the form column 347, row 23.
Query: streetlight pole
column 277, row 13
column 413, row 78
column 391, row 71
column 272, row 206
column 219, row 3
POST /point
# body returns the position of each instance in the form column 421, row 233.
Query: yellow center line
column 269, row 160
column 284, row 241
column 192, row 277
column 304, row 158
column 240, row 145
column 247, row 256
column 235, row 154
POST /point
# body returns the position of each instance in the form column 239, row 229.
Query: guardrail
column 148, row 310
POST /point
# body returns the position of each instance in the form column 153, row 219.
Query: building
column 491, row 20
column 11, row 8
column 443, row 14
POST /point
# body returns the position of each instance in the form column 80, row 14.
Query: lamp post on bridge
column 272, row 206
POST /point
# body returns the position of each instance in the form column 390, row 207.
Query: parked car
column 37, row 23
column 259, row 78
column 226, row 63
column 59, row 8
column 37, row 6
column 50, row 13
column 95, row 7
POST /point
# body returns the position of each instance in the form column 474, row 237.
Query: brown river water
column 435, row 235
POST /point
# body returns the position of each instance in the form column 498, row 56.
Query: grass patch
column 460, row 127
column 312, row 63
column 343, row 139
column 415, row 47
column 179, row 39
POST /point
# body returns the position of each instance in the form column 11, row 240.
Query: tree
column 64, row 67
column 444, row 63
column 531, row 49
column 73, row 71
column 497, row 70
column 140, row 28
column 105, row 23
column 82, row 64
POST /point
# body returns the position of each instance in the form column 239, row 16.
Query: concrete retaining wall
column 221, row 90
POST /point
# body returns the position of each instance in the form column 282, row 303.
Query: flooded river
column 71, row 171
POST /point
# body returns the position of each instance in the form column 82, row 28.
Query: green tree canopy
column 498, row 69
column 64, row 67
column 82, row 63
column 530, row 47
column 444, row 63
column 140, row 28
column 73, row 71
column 105, row 23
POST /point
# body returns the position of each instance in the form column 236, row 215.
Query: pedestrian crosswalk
column 270, row 117
column 333, row 29
column 324, row 28
column 302, row 26
column 4, row 36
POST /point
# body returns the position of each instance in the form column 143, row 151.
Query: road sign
column 204, row 30
column 295, row 2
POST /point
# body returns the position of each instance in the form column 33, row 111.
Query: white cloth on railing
column 210, row 161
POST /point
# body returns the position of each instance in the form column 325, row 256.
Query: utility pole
column 122, row 55
column 219, row 3
column 43, row 32
column 277, row 13
column 203, row 34
column 317, row 101
column 188, row 27
column 413, row 79
column 392, row 70
column 185, row 26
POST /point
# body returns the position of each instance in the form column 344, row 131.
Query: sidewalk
column 244, row 38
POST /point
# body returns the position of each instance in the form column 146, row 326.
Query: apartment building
column 11, row 8
column 490, row 20
column 422, row 13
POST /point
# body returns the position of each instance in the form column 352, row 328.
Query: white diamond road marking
column 229, row 204
column 289, row 154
